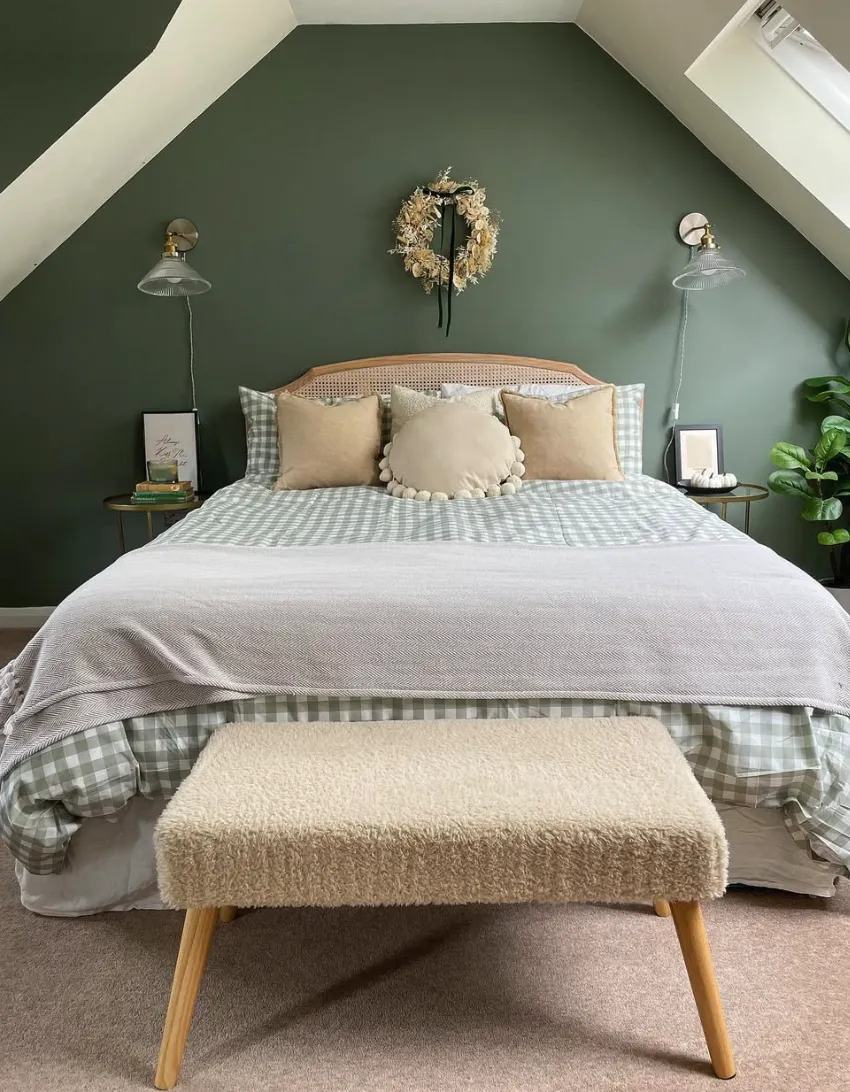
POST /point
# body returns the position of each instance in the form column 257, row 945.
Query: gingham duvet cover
column 791, row 758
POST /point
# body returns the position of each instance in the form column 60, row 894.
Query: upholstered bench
column 453, row 811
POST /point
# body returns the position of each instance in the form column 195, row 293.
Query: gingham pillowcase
column 260, row 412
column 629, row 413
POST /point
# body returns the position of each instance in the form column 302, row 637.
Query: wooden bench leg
column 690, row 929
column 194, row 944
column 226, row 914
column 662, row 908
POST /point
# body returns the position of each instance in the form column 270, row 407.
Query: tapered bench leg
column 226, row 914
column 690, row 929
column 661, row 908
column 194, row 944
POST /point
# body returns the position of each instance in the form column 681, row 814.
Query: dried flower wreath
column 417, row 220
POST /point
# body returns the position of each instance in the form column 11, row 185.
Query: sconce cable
column 192, row 352
column 674, row 414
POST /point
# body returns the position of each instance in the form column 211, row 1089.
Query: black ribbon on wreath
column 448, row 203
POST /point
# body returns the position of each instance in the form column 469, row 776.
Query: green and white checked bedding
column 794, row 759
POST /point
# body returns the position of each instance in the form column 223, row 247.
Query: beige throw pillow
column 452, row 451
column 567, row 441
column 323, row 445
column 406, row 403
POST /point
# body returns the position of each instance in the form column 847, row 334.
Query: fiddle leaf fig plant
column 820, row 478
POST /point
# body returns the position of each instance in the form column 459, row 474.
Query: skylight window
column 802, row 56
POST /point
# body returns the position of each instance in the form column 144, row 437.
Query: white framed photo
column 173, row 437
column 697, row 447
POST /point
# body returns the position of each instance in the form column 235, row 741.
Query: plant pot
column 842, row 595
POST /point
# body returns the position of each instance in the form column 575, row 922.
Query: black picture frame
column 183, row 431
column 685, row 463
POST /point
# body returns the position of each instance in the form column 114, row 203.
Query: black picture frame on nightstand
column 173, row 435
column 697, row 446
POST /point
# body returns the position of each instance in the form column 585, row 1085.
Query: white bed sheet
column 111, row 863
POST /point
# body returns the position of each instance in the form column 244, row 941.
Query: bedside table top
column 742, row 493
column 121, row 503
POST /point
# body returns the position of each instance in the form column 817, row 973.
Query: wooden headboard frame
column 426, row 371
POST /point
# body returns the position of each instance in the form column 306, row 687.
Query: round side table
column 121, row 503
column 742, row 494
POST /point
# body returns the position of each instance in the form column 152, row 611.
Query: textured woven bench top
column 452, row 811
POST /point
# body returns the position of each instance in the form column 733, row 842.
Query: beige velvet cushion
column 452, row 451
column 324, row 445
column 406, row 403
column 567, row 441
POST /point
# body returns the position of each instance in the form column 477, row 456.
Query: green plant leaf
column 829, row 445
column 838, row 383
column 827, row 476
column 820, row 380
column 816, row 509
column 790, row 456
column 847, row 334
column 790, row 483
column 834, row 538
column 833, row 421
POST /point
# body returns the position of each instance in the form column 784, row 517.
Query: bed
column 79, row 794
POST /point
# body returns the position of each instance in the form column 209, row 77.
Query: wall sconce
column 707, row 267
column 172, row 275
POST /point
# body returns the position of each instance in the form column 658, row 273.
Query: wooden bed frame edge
column 412, row 359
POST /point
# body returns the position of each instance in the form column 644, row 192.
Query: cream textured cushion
column 570, row 441
column 406, row 403
column 323, row 445
column 451, row 811
column 452, row 451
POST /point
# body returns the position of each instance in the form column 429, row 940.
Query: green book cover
column 161, row 498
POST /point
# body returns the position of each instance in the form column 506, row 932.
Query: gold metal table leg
column 150, row 525
column 121, row 547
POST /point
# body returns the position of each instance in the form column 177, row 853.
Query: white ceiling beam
column 206, row 48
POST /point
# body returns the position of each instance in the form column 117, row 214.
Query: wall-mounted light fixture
column 172, row 275
column 707, row 267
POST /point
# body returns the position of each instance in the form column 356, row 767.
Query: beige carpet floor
column 508, row 999
column 501, row 999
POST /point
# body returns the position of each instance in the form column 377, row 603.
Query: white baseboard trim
column 24, row 617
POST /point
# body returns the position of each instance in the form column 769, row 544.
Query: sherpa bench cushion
column 452, row 811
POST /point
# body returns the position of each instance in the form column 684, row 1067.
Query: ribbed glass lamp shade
column 707, row 269
column 173, row 276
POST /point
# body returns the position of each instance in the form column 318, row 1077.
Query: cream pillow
column 323, row 445
column 452, row 451
column 406, row 403
column 567, row 441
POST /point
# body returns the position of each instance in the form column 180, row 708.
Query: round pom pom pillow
column 452, row 451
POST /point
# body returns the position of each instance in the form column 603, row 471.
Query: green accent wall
column 294, row 177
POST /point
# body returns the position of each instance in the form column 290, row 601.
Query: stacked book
column 163, row 493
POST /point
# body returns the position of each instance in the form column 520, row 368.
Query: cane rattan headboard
column 426, row 371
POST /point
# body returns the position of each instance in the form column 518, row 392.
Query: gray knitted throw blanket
column 714, row 624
